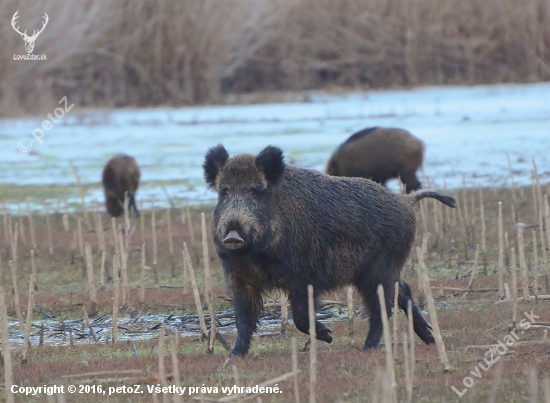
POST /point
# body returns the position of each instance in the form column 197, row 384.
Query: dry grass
column 154, row 52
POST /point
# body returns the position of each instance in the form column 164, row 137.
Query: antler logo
column 29, row 40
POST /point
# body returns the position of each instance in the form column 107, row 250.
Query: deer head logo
column 29, row 40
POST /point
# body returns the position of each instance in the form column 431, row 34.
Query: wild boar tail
column 415, row 197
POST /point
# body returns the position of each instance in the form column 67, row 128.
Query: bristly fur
column 121, row 174
column 415, row 197
column 379, row 154
column 308, row 229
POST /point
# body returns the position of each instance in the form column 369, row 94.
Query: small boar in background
column 380, row 154
column 278, row 226
column 121, row 174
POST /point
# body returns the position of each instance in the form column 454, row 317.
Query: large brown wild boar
column 380, row 154
column 121, row 174
column 278, row 226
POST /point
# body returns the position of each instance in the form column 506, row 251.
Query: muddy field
column 64, row 351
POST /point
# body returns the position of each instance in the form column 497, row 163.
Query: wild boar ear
column 270, row 161
column 215, row 159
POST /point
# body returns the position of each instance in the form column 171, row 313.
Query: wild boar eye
column 254, row 191
column 223, row 191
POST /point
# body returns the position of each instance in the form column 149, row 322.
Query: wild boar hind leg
column 248, row 304
column 300, row 313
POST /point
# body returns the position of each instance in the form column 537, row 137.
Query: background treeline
column 115, row 53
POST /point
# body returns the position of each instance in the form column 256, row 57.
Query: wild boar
column 121, row 174
column 380, row 154
column 277, row 226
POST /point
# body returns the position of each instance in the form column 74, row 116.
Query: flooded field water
column 468, row 131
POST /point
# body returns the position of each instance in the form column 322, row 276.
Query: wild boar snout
column 233, row 240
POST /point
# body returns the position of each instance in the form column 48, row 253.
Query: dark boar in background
column 121, row 174
column 278, row 226
column 380, row 154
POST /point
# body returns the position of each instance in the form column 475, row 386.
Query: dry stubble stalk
column 66, row 225
column 295, row 370
column 170, row 242
column 126, row 205
column 547, row 219
column 80, row 238
column 431, row 310
column 313, row 347
column 514, row 293
column 6, row 350
column 91, row 282
column 142, row 222
column 536, row 263
column 22, row 231
column 190, row 223
column 31, row 226
column 49, row 228
column 123, row 267
column 142, row 274
column 13, row 269
column 99, row 231
column 483, row 231
column 395, row 316
column 522, row 262
column 185, row 275
column 387, row 335
column 102, row 270
column 546, row 386
column 236, row 378
column 514, row 198
column 175, row 366
column 500, row 252
column 283, row 298
column 82, row 193
column 116, row 245
column 162, row 368
column 411, row 340
column 423, row 216
column 496, row 382
column 351, row 310
column 154, row 228
column 533, row 380
column 198, row 303
column 116, row 297
column 474, row 268
column 543, row 250
column 407, row 358
column 27, row 342
column 6, row 225
column 208, row 283
column 540, row 200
